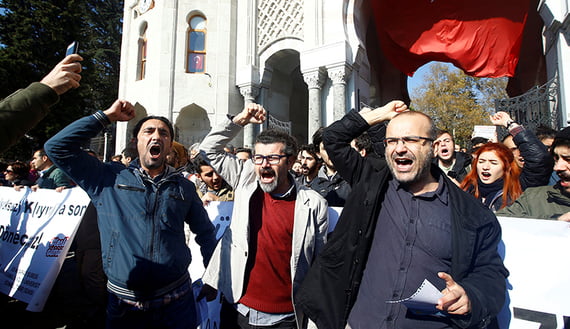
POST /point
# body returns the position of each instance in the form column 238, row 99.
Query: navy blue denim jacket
column 141, row 220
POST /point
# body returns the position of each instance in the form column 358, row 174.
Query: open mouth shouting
column 485, row 176
column 564, row 179
column 403, row 164
column 155, row 150
column 266, row 176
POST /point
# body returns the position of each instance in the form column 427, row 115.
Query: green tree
column 34, row 35
column 456, row 101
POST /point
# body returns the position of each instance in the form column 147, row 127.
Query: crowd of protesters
column 278, row 266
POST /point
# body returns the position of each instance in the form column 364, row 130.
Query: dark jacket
column 459, row 170
column 543, row 202
column 22, row 110
column 335, row 190
column 538, row 163
column 537, row 169
column 53, row 178
column 331, row 286
column 141, row 220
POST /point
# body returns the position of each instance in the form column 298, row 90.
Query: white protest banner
column 220, row 214
column 535, row 251
column 36, row 230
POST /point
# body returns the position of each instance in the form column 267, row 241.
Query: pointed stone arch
column 192, row 125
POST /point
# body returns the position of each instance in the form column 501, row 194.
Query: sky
column 419, row 76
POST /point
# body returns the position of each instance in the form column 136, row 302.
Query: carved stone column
column 339, row 75
column 315, row 80
column 249, row 93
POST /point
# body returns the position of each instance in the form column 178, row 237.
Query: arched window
column 196, row 49
column 142, row 54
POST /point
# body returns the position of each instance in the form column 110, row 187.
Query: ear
column 435, row 147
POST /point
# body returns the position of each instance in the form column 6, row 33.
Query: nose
column 560, row 165
column 400, row 146
column 265, row 163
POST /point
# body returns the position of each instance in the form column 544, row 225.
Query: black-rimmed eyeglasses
column 271, row 158
column 393, row 141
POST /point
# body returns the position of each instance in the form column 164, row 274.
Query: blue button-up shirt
column 412, row 242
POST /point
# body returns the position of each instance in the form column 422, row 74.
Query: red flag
column 481, row 37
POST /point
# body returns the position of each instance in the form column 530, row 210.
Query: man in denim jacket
column 141, row 210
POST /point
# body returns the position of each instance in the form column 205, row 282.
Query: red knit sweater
column 268, row 285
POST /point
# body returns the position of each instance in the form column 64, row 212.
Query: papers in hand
column 423, row 301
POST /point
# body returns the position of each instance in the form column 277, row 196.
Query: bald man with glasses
column 404, row 222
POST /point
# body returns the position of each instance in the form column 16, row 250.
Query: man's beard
column 421, row 172
column 268, row 188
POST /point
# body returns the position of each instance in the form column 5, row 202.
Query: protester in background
column 546, row 136
column 178, row 156
column 454, row 164
column 495, row 177
column 477, row 142
column 277, row 229
column 363, row 144
column 404, row 222
column 51, row 177
column 3, row 166
column 214, row 187
column 16, row 173
column 520, row 138
column 296, row 170
column 337, row 191
column 310, row 165
column 548, row 202
column 117, row 158
column 141, row 214
column 129, row 154
column 529, row 153
column 243, row 153
column 230, row 149
column 24, row 109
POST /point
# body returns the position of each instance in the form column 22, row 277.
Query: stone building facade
column 195, row 62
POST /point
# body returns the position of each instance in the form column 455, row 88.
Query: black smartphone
column 72, row 48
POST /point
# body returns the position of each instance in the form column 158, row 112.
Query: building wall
column 257, row 51
column 556, row 17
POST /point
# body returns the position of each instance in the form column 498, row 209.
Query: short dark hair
column 198, row 162
column 272, row 135
column 243, row 149
column 20, row 169
column 139, row 124
column 312, row 150
column 364, row 142
column 543, row 132
column 318, row 137
column 562, row 139
column 443, row 131
column 41, row 152
column 130, row 152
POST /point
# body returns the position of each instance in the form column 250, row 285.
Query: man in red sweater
column 277, row 229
